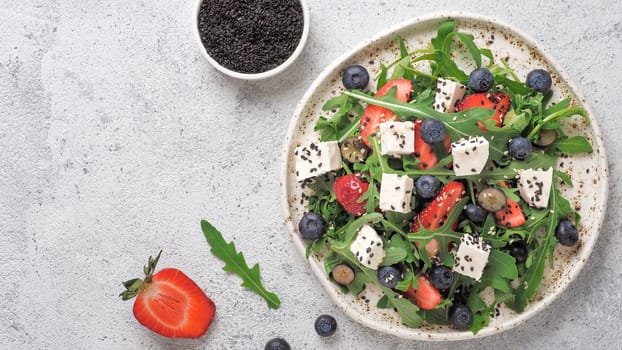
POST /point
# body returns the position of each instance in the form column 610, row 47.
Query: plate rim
column 418, row 333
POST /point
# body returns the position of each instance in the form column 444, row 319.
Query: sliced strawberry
column 498, row 101
column 426, row 295
column 433, row 216
column 170, row 303
column 348, row 189
column 512, row 215
column 374, row 115
column 423, row 151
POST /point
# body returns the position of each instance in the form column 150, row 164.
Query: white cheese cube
column 472, row 256
column 397, row 138
column 368, row 247
column 470, row 156
column 448, row 94
column 396, row 193
column 317, row 158
column 535, row 186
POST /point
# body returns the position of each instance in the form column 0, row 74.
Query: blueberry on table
column 519, row 251
column 388, row 276
column 461, row 317
column 325, row 325
column 481, row 80
column 539, row 80
column 475, row 213
column 312, row 225
column 566, row 233
column 427, row 186
column 520, row 148
column 491, row 199
column 277, row 344
column 355, row 77
column 432, row 131
column 441, row 277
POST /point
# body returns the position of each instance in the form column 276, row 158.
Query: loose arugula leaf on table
column 235, row 263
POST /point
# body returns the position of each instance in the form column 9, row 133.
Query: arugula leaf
column 333, row 128
column 532, row 279
column 467, row 39
column 394, row 255
column 443, row 31
column 235, row 263
column 446, row 67
column 571, row 145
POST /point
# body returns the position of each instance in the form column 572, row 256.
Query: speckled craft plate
column 588, row 172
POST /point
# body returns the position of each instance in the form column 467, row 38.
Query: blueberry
column 475, row 213
column 481, row 80
column 355, row 77
column 427, row 186
column 389, row 276
column 312, row 225
column 277, row 344
column 566, row 233
column 432, row 131
column 325, row 325
column 520, row 148
column 441, row 277
column 519, row 251
column 539, row 80
column 462, row 317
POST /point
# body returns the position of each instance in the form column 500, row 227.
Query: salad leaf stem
column 397, row 60
column 557, row 115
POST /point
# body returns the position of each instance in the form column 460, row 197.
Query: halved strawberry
column 498, row 101
column 512, row 215
column 426, row 295
column 433, row 216
column 170, row 303
column 348, row 189
column 374, row 115
column 423, row 151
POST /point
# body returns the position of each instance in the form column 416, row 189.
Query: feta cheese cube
column 368, row 247
column 317, row 158
column 535, row 186
column 472, row 256
column 396, row 193
column 448, row 94
column 470, row 156
column 397, row 138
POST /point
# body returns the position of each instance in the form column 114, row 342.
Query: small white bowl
column 254, row 76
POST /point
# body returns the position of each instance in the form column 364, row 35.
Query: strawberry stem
column 136, row 285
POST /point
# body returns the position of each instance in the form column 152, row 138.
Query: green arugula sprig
column 235, row 263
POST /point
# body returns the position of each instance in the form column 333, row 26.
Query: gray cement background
column 116, row 138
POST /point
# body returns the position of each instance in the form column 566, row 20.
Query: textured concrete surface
column 116, row 137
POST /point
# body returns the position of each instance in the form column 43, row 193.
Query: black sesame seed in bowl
column 251, row 39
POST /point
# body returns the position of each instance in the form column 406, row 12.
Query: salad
column 441, row 187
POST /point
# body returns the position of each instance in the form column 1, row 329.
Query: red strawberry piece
column 348, row 189
column 426, row 295
column 425, row 152
column 433, row 216
column 374, row 115
column 498, row 101
column 512, row 215
column 170, row 303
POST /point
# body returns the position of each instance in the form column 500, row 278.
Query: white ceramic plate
column 589, row 172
